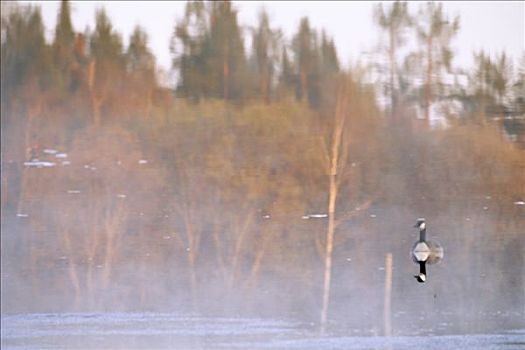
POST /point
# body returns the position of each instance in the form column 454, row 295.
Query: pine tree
column 106, row 45
column 64, row 44
column 265, row 47
column 435, row 32
column 225, row 51
column 187, row 48
column 25, row 55
column 140, row 64
column 329, row 59
column 107, row 65
column 287, row 78
column 394, row 22
column 138, row 55
column 304, row 47
column 208, row 49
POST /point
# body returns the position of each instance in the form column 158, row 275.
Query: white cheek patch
column 422, row 226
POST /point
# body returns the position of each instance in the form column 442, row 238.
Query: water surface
column 170, row 331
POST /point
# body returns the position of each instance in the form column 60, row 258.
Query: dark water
column 169, row 331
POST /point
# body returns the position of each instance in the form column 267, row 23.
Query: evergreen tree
column 502, row 77
column 225, row 51
column 138, row 55
column 322, row 95
column 140, row 64
column 63, row 45
column 329, row 60
column 287, row 78
column 315, row 63
column 518, row 87
column 435, row 32
column 304, row 47
column 107, row 65
column 106, row 45
column 394, row 22
column 490, row 82
column 25, row 55
column 187, row 48
column 208, row 49
column 265, row 47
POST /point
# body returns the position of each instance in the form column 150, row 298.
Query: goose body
column 425, row 252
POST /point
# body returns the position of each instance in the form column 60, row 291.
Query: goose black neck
column 422, row 234
column 422, row 267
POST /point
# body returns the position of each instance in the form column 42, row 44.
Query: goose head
column 420, row 223
column 421, row 278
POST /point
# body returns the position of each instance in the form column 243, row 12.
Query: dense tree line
column 264, row 176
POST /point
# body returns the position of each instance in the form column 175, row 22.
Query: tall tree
column 226, row 50
column 265, row 46
column 349, row 153
column 304, row 46
column 63, row 45
column 138, row 54
column 287, row 77
column 502, row 76
column 26, row 75
column 187, row 48
column 394, row 21
column 321, row 95
column 518, row 87
column 140, row 64
column 25, row 55
column 106, row 44
column 208, row 49
column 107, row 64
column 329, row 59
column 435, row 33
column 333, row 166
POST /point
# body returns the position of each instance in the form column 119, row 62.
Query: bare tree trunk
column 92, row 250
column 332, row 199
column 429, row 80
column 264, row 85
column 329, row 250
column 304, row 85
column 112, row 229
column 33, row 111
column 219, row 249
column 387, row 311
column 96, row 100
column 191, row 250
column 190, row 240
column 72, row 267
column 391, row 54
column 238, row 246
column 256, row 266
column 149, row 103
column 226, row 76
column 22, row 197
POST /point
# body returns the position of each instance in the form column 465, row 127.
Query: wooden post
column 387, row 312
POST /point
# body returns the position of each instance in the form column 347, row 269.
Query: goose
column 425, row 251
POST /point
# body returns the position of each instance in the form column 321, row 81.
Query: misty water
column 163, row 331
column 424, row 316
